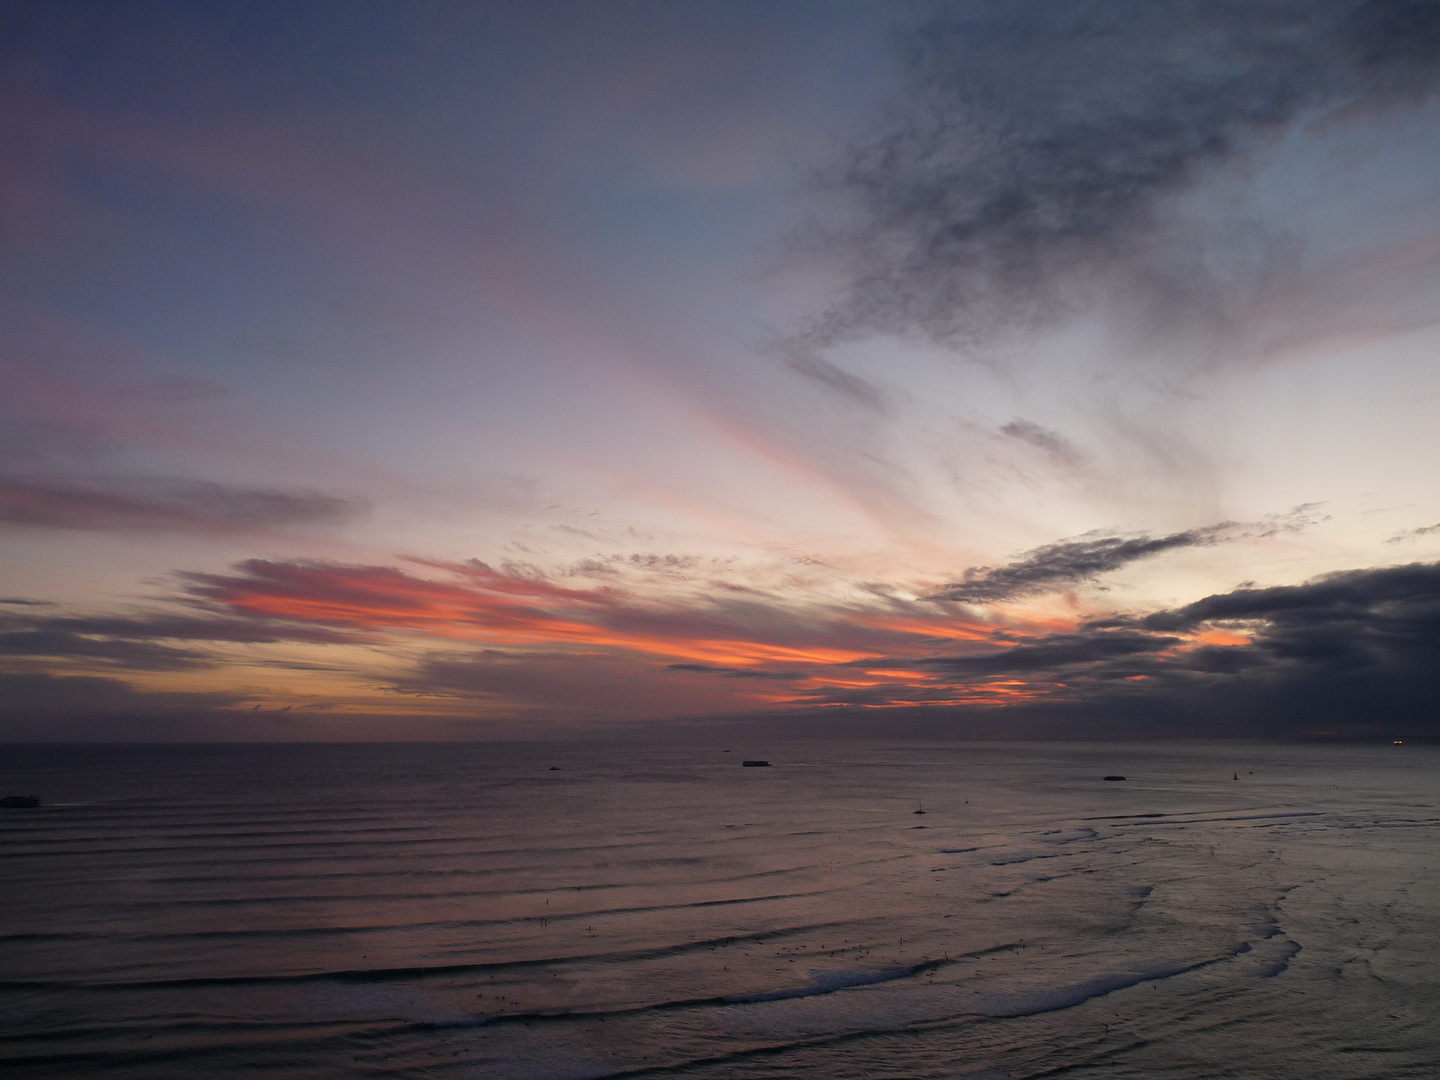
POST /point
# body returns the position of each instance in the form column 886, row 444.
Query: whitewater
column 559, row 911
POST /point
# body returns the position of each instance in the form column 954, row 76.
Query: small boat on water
column 19, row 802
column 1114, row 778
column 748, row 764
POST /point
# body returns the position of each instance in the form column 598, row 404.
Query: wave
column 345, row 931
column 411, row 974
column 825, row 982
column 1180, row 820
column 992, row 1006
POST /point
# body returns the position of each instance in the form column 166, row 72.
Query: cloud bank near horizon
column 1351, row 651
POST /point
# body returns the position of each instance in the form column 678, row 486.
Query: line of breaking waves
column 579, row 911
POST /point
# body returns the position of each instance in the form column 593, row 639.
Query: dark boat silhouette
column 20, row 801
column 754, row 764
column 1114, row 778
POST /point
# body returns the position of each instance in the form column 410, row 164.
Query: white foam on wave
column 1052, row 999
column 827, row 982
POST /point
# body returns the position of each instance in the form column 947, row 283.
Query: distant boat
column 748, row 764
column 1399, row 742
column 555, row 768
column 18, row 802
column 922, row 807
column 1114, row 778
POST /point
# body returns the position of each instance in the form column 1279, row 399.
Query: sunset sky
column 431, row 370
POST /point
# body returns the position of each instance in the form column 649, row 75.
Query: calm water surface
column 293, row 912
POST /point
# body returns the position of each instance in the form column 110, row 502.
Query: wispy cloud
column 812, row 366
column 1052, row 443
column 130, row 654
column 161, row 504
column 1085, row 558
column 1413, row 534
column 168, row 626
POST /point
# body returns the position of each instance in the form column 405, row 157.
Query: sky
column 418, row 370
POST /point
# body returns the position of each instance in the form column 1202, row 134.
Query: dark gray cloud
column 158, row 504
column 1354, row 653
column 35, row 706
column 1084, row 558
column 1053, row 652
column 1357, row 651
column 1357, row 596
column 1037, row 141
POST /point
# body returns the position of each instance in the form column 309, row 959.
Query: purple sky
column 456, row 370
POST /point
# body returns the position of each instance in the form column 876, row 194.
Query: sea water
column 559, row 912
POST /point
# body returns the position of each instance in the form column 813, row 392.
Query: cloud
column 564, row 686
column 521, row 607
column 45, row 707
column 1412, row 534
column 1041, row 438
column 145, row 642
column 134, row 655
column 814, row 367
column 168, row 626
column 1052, row 652
column 1067, row 562
column 1356, row 652
column 158, row 504
column 1084, row 558
column 1031, row 157
column 740, row 673
column 1364, row 595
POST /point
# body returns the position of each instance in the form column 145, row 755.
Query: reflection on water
column 318, row 911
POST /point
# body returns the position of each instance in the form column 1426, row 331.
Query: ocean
column 566, row 911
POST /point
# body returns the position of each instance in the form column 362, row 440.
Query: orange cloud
column 479, row 603
column 747, row 649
